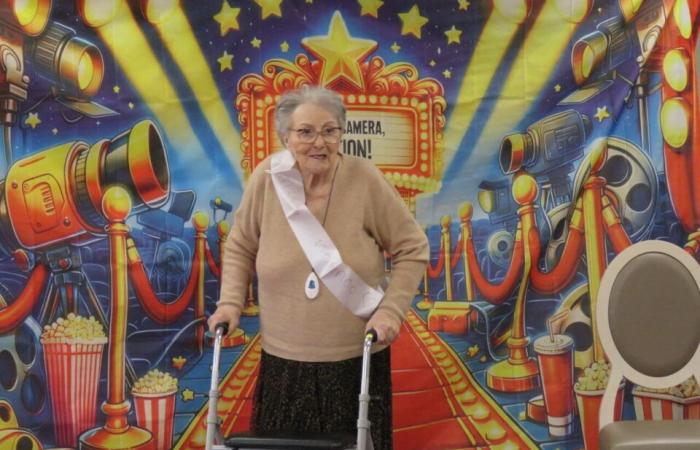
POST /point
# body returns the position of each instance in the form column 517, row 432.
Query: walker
column 290, row 441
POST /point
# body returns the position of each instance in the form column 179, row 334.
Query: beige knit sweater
column 365, row 216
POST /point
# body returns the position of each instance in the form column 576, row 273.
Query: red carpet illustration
column 437, row 403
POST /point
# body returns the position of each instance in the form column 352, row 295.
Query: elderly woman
column 314, row 224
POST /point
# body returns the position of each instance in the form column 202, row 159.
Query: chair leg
column 607, row 405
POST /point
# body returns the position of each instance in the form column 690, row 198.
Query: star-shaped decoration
column 225, row 62
column 432, row 63
column 131, row 105
column 255, row 42
column 54, row 131
column 473, row 350
column 463, row 5
column 284, row 46
column 601, row 113
column 247, row 59
column 395, row 47
column 557, row 87
column 269, row 8
column 32, row 120
column 116, row 89
column 227, row 18
column 340, row 54
column 412, row 22
column 178, row 362
column 310, row 2
column 446, row 73
column 370, row 7
column 187, row 395
column 454, row 36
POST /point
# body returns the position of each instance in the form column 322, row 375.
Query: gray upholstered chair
column 648, row 317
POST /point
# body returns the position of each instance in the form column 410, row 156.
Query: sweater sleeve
column 241, row 246
column 395, row 229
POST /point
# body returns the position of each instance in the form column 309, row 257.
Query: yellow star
column 131, row 105
column 284, row 46
column 339, row 53
column 412, row 22
column 178, row 362
column 116, row 89
column 309, row 1
column 54, row 131
column 395, row 47
column 32, row 120
column 601, row 113
column 370, row 7
column 454, row 36
column 463, row 5
column 269, row 8
column 225, row 62
column 446, row 73
column 255, row 42
column 432, row 63
column 187, row 395
column 227, row 18
column 557, row 88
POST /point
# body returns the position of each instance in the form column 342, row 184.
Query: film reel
column 577, row 324
column 632, row 181
column 500, row 247
column 559, row 219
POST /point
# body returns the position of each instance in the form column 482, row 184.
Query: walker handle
column 223, row 326
column 371, row 335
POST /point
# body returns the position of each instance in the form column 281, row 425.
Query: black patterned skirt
column 322, row 397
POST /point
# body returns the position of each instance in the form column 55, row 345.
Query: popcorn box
column 588, row 403
column 73, row 374
column 156, row 413
column 658, row 406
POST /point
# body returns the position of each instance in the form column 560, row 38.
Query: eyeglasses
column 329, row 134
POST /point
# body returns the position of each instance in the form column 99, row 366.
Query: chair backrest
column 648, row 318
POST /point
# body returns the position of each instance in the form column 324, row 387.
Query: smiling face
column 317, row 157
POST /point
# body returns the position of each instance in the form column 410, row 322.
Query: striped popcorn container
column 588, row 403
column 156, row 413
column 657, row 406
column 73, row 374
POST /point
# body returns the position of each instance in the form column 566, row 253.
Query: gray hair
column 327, row 99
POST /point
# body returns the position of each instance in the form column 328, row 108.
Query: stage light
column 681, row 15
column 157, row 11
column 630, row 8
column 96, row 13
column 487, row 200
column 574, row 11
column 515, row 11
column 28, row 16
column 54, row 196
column 676, row 69
column 675, row 122
column 609, row 43
column 74, row 64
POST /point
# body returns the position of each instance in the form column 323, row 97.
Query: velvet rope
column 213, row 266
column 162, row 313
column 616, row 232
column 13, row 315
column 496, row 293
column 435, row 271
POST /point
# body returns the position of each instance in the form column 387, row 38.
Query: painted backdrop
column 533, row 139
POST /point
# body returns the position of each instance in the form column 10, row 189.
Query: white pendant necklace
column 311, row 285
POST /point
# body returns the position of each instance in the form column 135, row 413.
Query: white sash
column 318, row 247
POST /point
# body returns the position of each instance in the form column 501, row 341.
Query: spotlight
column 74, row 64
column 30, row 17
